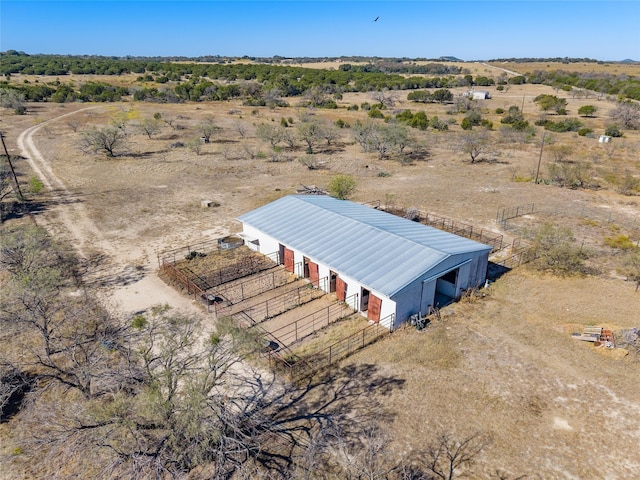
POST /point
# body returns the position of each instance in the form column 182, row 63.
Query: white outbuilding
column 387, row 267
column 478, row 94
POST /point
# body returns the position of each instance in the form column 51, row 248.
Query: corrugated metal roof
column 382, row 251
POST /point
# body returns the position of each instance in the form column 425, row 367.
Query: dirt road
column 126, row 278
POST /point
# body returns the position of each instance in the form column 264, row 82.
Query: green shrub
column 568, row 125
column 499, row 111
column 620, row 242
column 139, row 321
column 438, row 124
column 557, row 251
column 35, row 185
column 375, row 113
column 613, row 131
column 583, row 132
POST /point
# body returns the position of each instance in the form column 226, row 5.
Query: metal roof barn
column 381, row 251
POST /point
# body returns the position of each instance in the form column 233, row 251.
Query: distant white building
column 604, row 139
column 478, row 94
column 387, row 267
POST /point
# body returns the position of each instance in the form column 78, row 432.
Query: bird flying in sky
column 376, row 19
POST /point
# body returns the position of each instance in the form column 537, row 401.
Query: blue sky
column 470, row 30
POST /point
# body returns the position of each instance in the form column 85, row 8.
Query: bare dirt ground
column 556, row 408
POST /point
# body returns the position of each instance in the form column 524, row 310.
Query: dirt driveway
column 126, row 278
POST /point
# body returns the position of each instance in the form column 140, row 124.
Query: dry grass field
column 631, row 69
column 504, row 365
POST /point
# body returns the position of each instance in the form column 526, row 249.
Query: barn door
column 288, row 260
column 313, row 274
column 341, row 289
column 375, row 306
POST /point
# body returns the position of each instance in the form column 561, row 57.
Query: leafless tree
column 474, row 143
column 109, row 140
column 330, row 133
column 206, row 128
column 310, row 130
column 365, row 457
column 385, row 97
column 316, row 96
column 10, row 98
column 6, row 179
column 270, row 133
column 575, row 175
column 150, row 127
column 13, row 382
column 632, row 268
column 240, row 128
column 609, row 148
column 73, row 125
column 560, row 153
column 289, row 137
column 273, row 98
column 627, row 114
column 381, row 138
column 252, row 152
column 447, row 454
column 195, row 145
column 500, row 474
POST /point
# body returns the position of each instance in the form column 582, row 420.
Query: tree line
column 291, row 80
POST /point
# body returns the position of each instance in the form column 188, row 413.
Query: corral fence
column 180, row 278
column 521, row 257
column 332, row 354
column 282, row 303
column 244, row 267
column 176, row 254
column 481, row 235
column 495, row 240
column 505, row 213
column 309, row 324
column 200, row 286
column 244, row 288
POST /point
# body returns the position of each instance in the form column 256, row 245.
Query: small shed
column 604, row 139
column 387, row 267
column 478, row 94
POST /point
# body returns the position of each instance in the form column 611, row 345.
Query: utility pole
column 540, row 157
column 13, row 172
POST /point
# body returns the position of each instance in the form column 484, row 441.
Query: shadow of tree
column 98, row 272
column 341, row 398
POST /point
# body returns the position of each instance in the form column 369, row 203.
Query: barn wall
column 408, row 302
column 267, row 244
column 412, row 299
